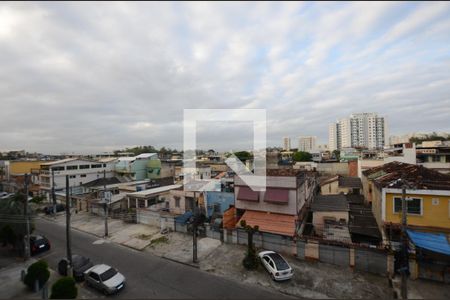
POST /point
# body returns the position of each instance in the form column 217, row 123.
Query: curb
column 181, row 262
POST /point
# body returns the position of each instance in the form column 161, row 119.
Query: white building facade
column 307, row 143
column 365, row 130
column 286, row 143
column 80, row 171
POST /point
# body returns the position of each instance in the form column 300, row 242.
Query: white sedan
column 276, row 265
column 104, row 278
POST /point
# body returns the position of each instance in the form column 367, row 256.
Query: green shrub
column 64, row 288
column 251, row 261
column 7, row 235
column 37, row 271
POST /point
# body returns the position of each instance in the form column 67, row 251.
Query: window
column 94, row 276
column 177, row 202
column 96, row 166
column 83, row 175
column 58, row 168
column 84, row 166
column 413, row 205
column 104, row 165
column 72, row 167
column 73, row 176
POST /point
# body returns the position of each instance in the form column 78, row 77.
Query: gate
column 334, row 255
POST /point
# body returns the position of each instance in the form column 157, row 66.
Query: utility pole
column 68, row 241
column 194, row 231
column 53, row 193
column 404, row 287
column 27, row 220
column 105, row 204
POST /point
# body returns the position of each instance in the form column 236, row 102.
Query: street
column 147, row 276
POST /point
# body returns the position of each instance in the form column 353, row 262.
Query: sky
column 94, row 77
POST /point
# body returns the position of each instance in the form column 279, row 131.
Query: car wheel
column 105, row 292
column 272, row 276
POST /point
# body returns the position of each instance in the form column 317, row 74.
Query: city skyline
column 91, row 78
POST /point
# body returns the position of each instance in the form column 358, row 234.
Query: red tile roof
column 388, row 175
column 270, row 222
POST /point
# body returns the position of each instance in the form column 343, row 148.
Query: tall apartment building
column 366, row 130
column 286, row 143
column 307, row 143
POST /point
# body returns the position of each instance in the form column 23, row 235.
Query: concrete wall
column 318, row 217
column 337, row 168
column 333, row 188
column 363, row 259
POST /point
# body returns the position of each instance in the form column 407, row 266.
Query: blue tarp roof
column 184, row 217
column 436, row 242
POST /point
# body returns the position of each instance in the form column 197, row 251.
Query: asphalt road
column 148, row 276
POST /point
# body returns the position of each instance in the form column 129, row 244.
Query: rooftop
column 336, row 202
column 154, row 191
column 389, row 175
column 350, row 182
column 270, row 222
column 283, row 172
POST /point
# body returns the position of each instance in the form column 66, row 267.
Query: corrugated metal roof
column 336, row 202
column 350, row 182
column 270, row 222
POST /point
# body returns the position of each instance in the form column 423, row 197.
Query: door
column 94, row 278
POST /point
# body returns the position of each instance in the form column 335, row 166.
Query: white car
column 104, row 278
column 276, row 265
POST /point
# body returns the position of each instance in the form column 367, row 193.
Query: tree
column 302, row 156
column 337, row 154
column 37, row 271
column 13, row 222
column 250, row 261
column 64, row 288
column 243, row 155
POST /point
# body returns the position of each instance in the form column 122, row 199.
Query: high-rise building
column 307, row 143
column 362, row 130
column 287, row 144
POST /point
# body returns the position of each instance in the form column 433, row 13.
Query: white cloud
column 98, row 78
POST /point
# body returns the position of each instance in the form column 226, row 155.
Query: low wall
column 364, row 259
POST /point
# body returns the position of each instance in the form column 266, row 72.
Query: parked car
column 38, row 244
column 49, row 209
column 276, row 265
column 105, row 279
column 79, row 265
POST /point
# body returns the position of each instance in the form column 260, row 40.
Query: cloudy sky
column 94, row 77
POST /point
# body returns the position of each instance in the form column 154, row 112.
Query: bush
column 37, row 271
column 64, row 288
column 7, row 235
column 251, row 261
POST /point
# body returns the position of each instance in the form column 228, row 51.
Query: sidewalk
column 423, row 289
column 311, row 279
column 136, row 236
column 13, row 288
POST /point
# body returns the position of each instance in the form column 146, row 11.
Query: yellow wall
column 22, row 167
column 432, row 215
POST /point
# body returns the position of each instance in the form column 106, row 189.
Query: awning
column 270, row 222
column 277, row 196
column 436, row 242
column 246, row 194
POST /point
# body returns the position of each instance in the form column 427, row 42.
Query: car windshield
column 280, row 263
column 108, row 274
